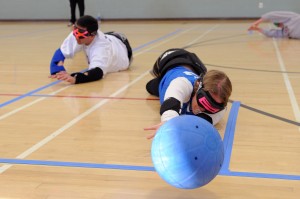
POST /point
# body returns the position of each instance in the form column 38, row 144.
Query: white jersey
column 290, row 21
column 106, row 52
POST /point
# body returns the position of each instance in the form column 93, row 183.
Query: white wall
column 143, row 9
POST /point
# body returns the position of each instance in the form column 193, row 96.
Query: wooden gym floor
column 87, row 141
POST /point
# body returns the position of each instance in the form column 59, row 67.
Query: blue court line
column 138, row 168
column 261, row 175
column 229, row 134
column 28, row 94
column 56, row 82
column 228, row 142
column 76, row 164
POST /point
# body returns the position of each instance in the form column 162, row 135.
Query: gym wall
column 145, row 9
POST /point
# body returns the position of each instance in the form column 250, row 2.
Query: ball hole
column 196, row 158
column 197, row 126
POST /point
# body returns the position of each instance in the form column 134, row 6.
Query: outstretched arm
column 255, row 28
column 78, row 78
column 178, row 92
column 88, row 76
column 277, row 33
column 254, row 25
column 154, row 128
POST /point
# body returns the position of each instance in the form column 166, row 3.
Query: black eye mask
column 206, row 101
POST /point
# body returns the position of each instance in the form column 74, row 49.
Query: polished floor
column 87, row 141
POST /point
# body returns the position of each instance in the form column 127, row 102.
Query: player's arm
column 88, row 76
column 178, row 92
column 254, row 25
column 278, row 16
column 56, row 64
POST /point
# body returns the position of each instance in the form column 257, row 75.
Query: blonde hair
column 217, row 82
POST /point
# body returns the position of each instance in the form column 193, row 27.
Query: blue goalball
column 187, row 152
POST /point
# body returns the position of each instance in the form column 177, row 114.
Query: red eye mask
column 80, row 33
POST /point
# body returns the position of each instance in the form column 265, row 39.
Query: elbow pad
column 89, row 76
column 57, row 57
column 170, row 104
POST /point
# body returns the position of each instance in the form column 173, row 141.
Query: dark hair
column 88, row 22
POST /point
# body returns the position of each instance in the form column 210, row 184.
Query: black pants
column 73, row 9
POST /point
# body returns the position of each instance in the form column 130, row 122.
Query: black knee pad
column 153, row 87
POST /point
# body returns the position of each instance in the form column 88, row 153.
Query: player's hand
column 64, row 76
column 60, row 63
column 253, row 28
column 54, row 76
column 155, row 128
column 255, row 25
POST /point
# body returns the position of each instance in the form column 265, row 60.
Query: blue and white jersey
column 178, row 74
column 179, row 83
